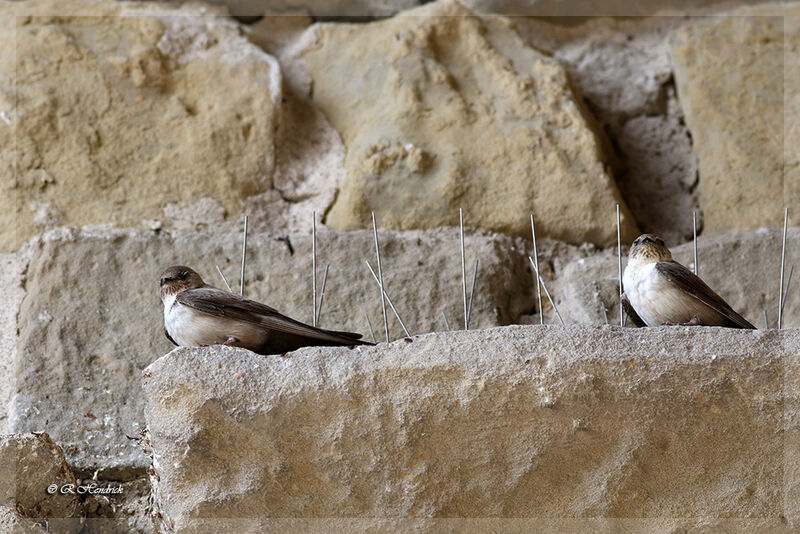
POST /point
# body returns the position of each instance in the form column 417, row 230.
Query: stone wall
column 137, row 135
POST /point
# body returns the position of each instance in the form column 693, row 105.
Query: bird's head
column 649, row 247
column 179, row 278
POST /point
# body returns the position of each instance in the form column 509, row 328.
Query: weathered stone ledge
column 575, row 424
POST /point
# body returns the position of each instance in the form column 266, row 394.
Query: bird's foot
column 694, row 321
column 231, row 341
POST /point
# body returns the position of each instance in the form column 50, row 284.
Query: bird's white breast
column 655, row 299
column 191, row 328
column 169, row 300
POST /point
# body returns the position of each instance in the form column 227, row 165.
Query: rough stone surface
column 624, row 72
column 12, row 267
column 567, row 11
column 123, row 513
column 116, row 116
column 275, row 32
column 29, row 464
column 466, row 115
column 743, row 268
column 660, row 178
column 739, row 91
column 791, row 106
column 576, row 10
column 336, row 9
column 621, row 66
column 309, row 154
column 91, row 318
column 674, row 422
column 13, row 522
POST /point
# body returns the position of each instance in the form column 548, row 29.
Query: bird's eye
column 184, row 274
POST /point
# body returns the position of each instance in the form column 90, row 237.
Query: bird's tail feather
column 349, row 335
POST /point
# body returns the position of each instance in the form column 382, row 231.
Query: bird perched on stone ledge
column 660, row 291
column 196, row 314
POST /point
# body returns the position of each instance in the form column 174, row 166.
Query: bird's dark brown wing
column 169, row 337
column 220, row 303
column 632, row 315
column 694, row 286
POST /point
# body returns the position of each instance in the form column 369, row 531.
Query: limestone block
column 737, row 78
column 441, row 109
column 520, row 421
column 116, row 116
column 31, row 465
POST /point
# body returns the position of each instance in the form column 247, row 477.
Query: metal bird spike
column 619, row 262
column 445, row 321
column 463, row 268
column 321, row 294
column 538, row 285
column 369, row 325
column 472, row 291
column 546, row 292
column 783, row 263
column 391, row 305
column 244, row 256
column 314, row 267
column 380, row 276
column 694, row 232
column 223, row 278
column 786, row 292
column 766, row 321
